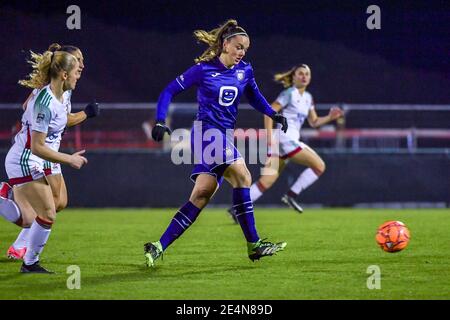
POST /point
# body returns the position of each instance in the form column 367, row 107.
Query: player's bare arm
column 315, row 121
column 39, row 148
column 76, row 118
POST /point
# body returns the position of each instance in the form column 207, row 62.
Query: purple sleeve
column 255, row 98
column 190, row 77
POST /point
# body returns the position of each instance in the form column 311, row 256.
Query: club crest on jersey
column 228, row 152
column 40, row 117
column 240, row 74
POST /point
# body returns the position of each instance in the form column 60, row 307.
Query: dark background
column 143, row 179
column 134, row 48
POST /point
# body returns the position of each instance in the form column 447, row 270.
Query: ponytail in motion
column 47, row 65
column 285, row 78
column 215, row 38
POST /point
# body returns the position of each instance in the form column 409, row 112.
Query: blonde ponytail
column 285, row 78
column 47, row 65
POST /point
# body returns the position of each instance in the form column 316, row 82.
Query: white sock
column 37, row 238
column 21, row 241
column 9, row 210
column 255, row 192
column 306, row 178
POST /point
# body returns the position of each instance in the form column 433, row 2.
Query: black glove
column 92, row 110
column 159, row 129
column 278, row 118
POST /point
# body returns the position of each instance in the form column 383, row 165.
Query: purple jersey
column 219, row 92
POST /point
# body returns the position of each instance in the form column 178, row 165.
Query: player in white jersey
column 296, row 104
column 52, row 171
column 44, row 120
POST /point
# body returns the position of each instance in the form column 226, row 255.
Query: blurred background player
column 221, row 77
column 37, row 144
column 53, row 171
column 296, row 104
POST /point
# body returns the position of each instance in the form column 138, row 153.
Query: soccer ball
column 392, row 236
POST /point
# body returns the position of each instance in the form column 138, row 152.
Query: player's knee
column 244, row 179
column 201, row 195
column 25, row 222
column 267, row 181
column 51, row 217
column 268, row 177
column 319, row 169
column 48, row 213
column 61, row 205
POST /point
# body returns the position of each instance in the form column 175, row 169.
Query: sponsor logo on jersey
column 227, row 95
column 52, row 136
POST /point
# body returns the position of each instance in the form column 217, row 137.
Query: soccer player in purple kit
column 221, row 77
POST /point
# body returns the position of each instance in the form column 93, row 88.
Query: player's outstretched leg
column 311, row 159
column 182, row 220
column 205, row 186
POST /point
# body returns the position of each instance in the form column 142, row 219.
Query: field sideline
column 328, row 253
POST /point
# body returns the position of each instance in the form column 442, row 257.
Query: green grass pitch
column 327, row 257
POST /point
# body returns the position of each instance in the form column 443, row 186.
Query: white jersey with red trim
column 295, row 107
column 46, row 114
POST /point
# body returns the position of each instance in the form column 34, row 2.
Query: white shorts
column 22, row 166
column 289, row 145
column 287, row 149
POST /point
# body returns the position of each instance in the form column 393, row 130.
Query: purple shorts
column 213, row 150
